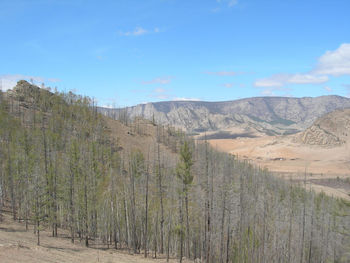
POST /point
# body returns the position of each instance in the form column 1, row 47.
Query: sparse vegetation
column 62, row 169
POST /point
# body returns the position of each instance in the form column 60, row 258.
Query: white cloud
column 280, row 80
column 332, row 63
column 9, row 81
column 335, row 63
column 328, row 89
column 306, row 79
column 139, row 31
column 186, row 99
column 160, row 80
column 277, row 80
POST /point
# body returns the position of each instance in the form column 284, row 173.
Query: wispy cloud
column 185, row 99
column 159, row 80
column 228, row 85
column 280, row 80
column 216, row 10
column 276, row 91
column 274, row 81
column 160, row 93
column 306, row 79
column 8, row 81
column 268, row 92
column 139, row 31
column 160, row 90
column 231, row 85
column 328, row 89
column 229, row 3
column 162, row 96
column 232, row 3
column 100, row 53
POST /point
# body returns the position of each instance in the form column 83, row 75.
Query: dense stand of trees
column 60, row 169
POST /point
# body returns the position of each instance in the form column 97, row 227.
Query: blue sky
column 125, row 52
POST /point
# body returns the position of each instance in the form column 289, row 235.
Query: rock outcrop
column 331, row 130
column 267, row 115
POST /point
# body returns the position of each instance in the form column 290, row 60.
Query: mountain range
column 258, row 115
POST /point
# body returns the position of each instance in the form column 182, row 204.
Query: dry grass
column 130, row 139
column 19, row 245
column 289, row 160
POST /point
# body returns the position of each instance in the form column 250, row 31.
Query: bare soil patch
column 290, row 160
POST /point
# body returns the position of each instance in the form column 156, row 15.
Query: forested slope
column 65, row 166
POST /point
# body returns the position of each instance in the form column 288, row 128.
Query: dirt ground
column 290, row 160
column 19, row 245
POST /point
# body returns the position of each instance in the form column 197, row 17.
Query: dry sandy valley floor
column 328, row 169
column 19, row 245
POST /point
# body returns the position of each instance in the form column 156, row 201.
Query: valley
column 288, row 136
column 290, row 160
column 322, row 152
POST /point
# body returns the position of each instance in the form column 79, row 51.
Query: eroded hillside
column 330, row 130
column 264, row 115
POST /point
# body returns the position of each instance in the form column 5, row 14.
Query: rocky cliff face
column 268, row 115
column 331, row 130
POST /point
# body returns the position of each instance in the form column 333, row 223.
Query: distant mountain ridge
column 267, row 115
